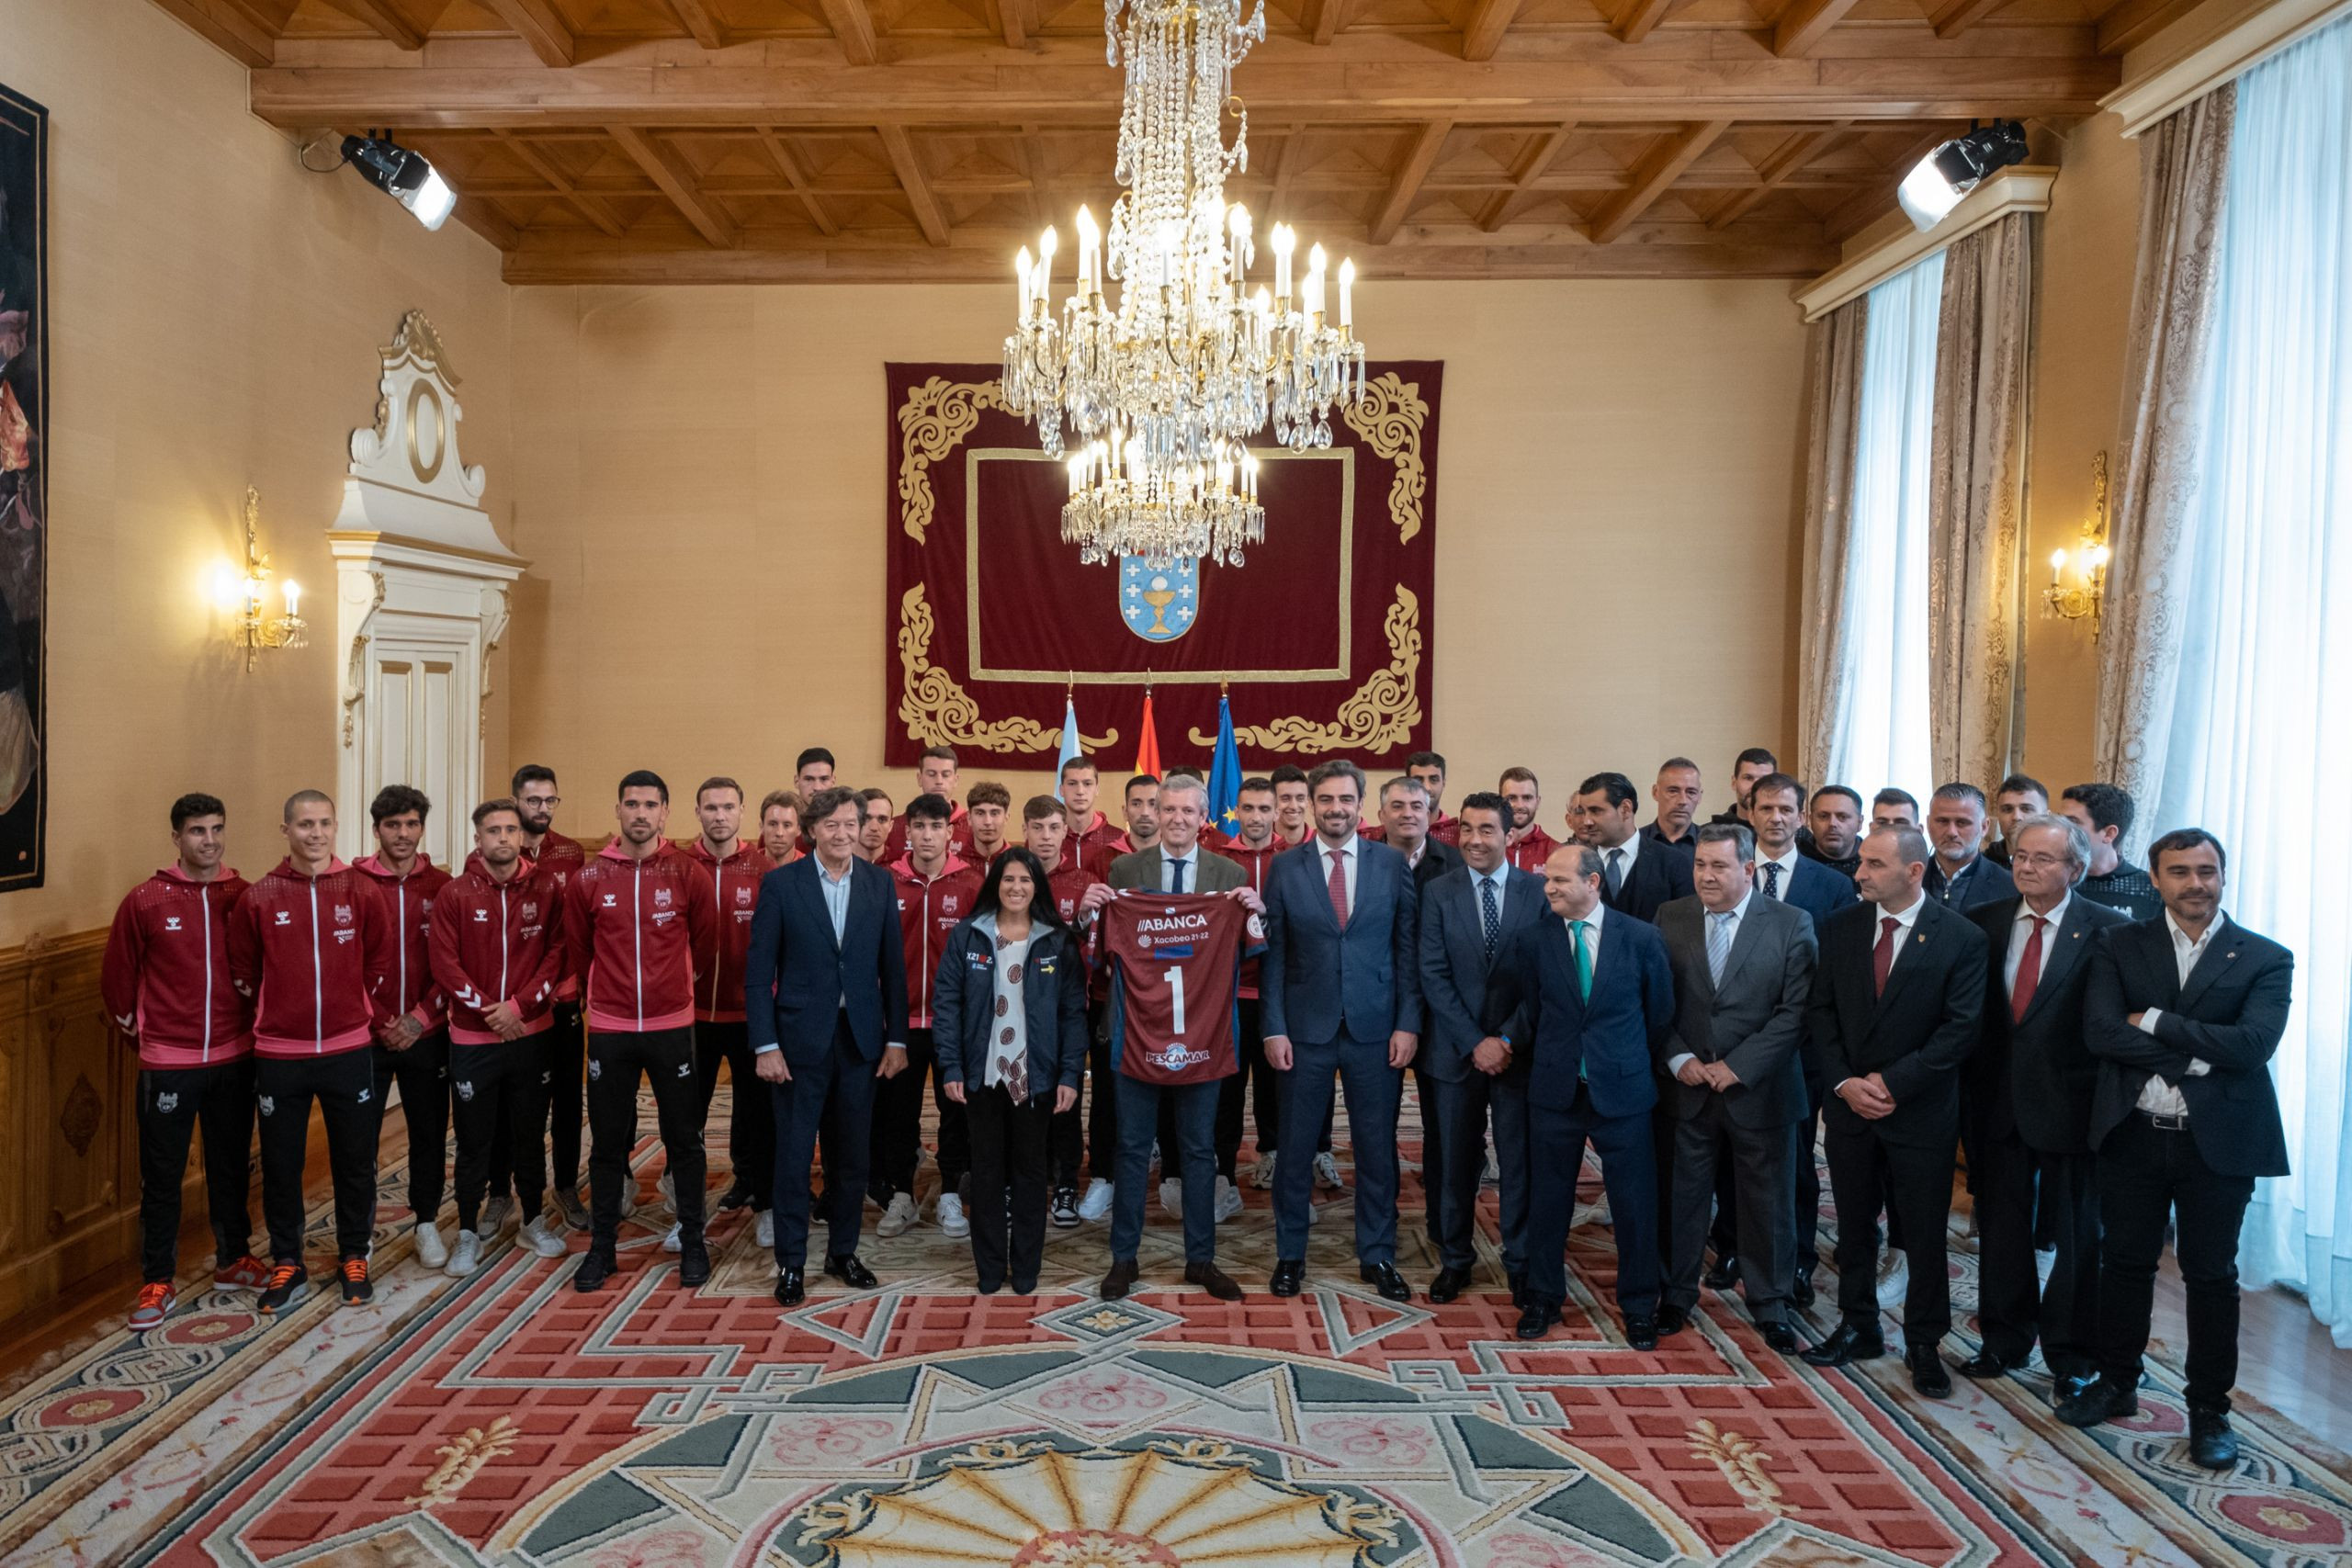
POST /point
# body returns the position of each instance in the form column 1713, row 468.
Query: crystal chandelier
column 1163, row 392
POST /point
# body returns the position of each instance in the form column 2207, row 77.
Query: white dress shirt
column 1626, row 853
column 2022, row 931
column 1788, row 864
column 1905, row 920
column 1190, row 860
column 1499, row 879
column 2158, row 1097
column 1324, row 850
column 1738, row 913
column 1591, row 937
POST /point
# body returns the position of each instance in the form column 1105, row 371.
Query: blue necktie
column 1177, row 865
column 1772, row 879
column 1493, row 916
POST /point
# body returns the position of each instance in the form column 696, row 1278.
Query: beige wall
column 703, row 475
column 2085, row 309
column 215, row 313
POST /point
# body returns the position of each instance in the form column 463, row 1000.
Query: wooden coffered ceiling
column 822, row 141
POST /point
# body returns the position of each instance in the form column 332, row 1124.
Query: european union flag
column 1224, row 775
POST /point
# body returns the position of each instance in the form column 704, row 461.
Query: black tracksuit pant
column 498, row 1097
column 750, row 1123
column 423, row 1073
column 895, row 1144
column 172, row 1103
column 665, row 1058
column 342, row 1085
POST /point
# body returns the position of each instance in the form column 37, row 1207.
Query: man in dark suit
column 1467, row 915
column 1743, row 968
column 1637, row 875
column 2026, row 1111
column 1588, row 996
column 1405, row 808
column 1959, row 875
column 2184, row 1014
column 1340, row 994
column 1893, row 1013
column 825, row 997
column 1177, row 864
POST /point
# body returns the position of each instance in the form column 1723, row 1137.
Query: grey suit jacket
column 1755, row 1021
column 1142, row 869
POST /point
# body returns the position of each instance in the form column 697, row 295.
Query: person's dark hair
column 531, row 774
column 2182, row 840
column 1734, row 833
column 1042, row 908
column 189, row 807
column 942, row 753
column 1485, row 800
column 1255, row 785
column 1959, row 790
column 1778, row 784
column 1075, row 763
column 813, row 754
column 1425, row 759
column 2019, row 783
column 489, row 808
column 1042, row 809
column 1850, row 793
column 1152, row 779
column 825, row 802
column 930, row 808
column 1672, row 763
column 988, row 791
column 1756, row 757
column 718, row 781
column 398, row 800
column 644, row 778
column 2110, row 805
column 1337, row 768
column 1289, row 773
column 1891, row 796
column 1616, row 787
column 1518, row 776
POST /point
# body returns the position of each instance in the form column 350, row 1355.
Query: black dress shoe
column 1120, row 1280
column 1802, row 1291
column 1641, row 1333
column 1780, row 1338
column 1927, row 1372
column 2103, row 1401
column 790, row 1289
column 1536, row 1321
column 2211, row 1444
column 1025, row 1287
column 1384, row 1277
column 1213, row 1279
column 2070, row 1385
column 1517, row 1282
column 1849, row 1344
column 596, row 1266
column 1290, row 1273
column 734, row 1197
column 1985, row 1364
column 1672, row 1320
column 852, row 1273
column 988, row 1287
column 1724, row 1274
column 694, row 1264
column 1448, row 1284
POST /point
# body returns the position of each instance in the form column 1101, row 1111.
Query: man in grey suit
column 1176, row 863
column 1742, row 972
column 1466, row 915
column 1339, row 996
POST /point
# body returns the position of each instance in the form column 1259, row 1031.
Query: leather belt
column 2164, row 1123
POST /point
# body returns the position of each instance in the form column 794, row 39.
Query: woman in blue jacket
column 1008, row 1016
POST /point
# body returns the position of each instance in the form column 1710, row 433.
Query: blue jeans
column 1195, row 1158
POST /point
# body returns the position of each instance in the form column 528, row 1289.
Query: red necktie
column 1882, row 955
column 2029, row 971
column 1340, row 888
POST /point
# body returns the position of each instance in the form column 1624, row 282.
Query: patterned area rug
column 508, row 1419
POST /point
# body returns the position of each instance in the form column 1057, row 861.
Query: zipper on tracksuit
column 636, row 933
column 501, row 944
column 318, row 980
column 718, row 896
column 204, row 902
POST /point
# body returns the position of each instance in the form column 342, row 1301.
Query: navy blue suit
column 1590, row 1077
column 1659, row 876
column 1337, row 993
column 831, row 1007
column 1819, row 890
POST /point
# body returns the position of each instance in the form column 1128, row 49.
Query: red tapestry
column 1322, row 635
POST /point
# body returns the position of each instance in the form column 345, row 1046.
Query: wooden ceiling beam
column 663, row 165
column 1954, row 17
column 1806, row 23
column 593, row 208
column 853, row 25
column 541, row 25
column 771, row 142
column 488, row 222
column 387, row 23
column 1875, row 197
column 1012, row 23
column 1660, row 169
column 695, row 17
column 1489, row 20
column 1641, row 18
column 2133, row 22
column 1774, row 172
column 229, row 28
column 909, row 168
column 1321, row 21
column 1419, row 158
column 1533, row 167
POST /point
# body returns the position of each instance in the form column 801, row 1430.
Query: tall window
column 1881, row 732
column 2261, row 726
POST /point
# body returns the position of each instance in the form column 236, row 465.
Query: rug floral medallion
column 509, row 1419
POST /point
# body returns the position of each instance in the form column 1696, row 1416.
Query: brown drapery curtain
column 1834, row 376
column 2184, row 165
column 1976, row 500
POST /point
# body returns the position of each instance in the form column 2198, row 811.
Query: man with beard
column 413, row 1045
column 735, row 869
column 563, row 1046
column 1531, row 846
column 780, row 827
column 1833, row 831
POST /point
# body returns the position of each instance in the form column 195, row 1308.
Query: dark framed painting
column 24, row 487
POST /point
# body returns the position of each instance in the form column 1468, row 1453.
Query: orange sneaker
column 287, row 1284
column 156, row 1299
column 247, row 1273
column 356, row 1288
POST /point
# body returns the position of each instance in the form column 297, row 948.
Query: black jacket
column 1915, row 1035
column 2034, row 1078
column 1053, row 991
column 2230, row 1016
column 1659, row 876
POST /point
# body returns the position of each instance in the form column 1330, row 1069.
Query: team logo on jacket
column 171, row 922
column 465, row 1091
column 947, row 904
column 661, row 897
column 167, row 1103
column 531, row 910
column 743, row 898
column 343, row 914
column 612, row 900
column 268, row 1105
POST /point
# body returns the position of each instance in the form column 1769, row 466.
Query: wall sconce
column 251, row 627
column 2087, row 592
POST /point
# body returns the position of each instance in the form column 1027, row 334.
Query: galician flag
column 1224, row 775
column 1070, row 740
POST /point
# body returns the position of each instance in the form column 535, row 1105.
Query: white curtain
column 2260, row 727
column 1879, row 734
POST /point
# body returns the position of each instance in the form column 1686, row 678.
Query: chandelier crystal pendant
column 1153, row 402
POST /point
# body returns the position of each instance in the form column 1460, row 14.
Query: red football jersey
column 1178, row 957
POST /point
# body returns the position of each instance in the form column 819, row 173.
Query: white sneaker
column 466, row 1257
column 897, row 1217
column 539, row 1239
column 1171, row 1198
column 673, row 1239
column 1097, row 1202
column 951, row 1216
column 1228, row 1200
column 494, row 1217
column 1893, row 1280
column 1262, row 1175
column 430, row 1251
column 767, row 1228
column 1326, row 1173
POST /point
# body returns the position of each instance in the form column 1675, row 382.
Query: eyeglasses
column 542, row 800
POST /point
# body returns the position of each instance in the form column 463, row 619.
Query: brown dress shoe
column 1121, row 1278
column 1213, row 1279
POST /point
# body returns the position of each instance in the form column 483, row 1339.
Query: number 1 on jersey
column 1175, row 978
